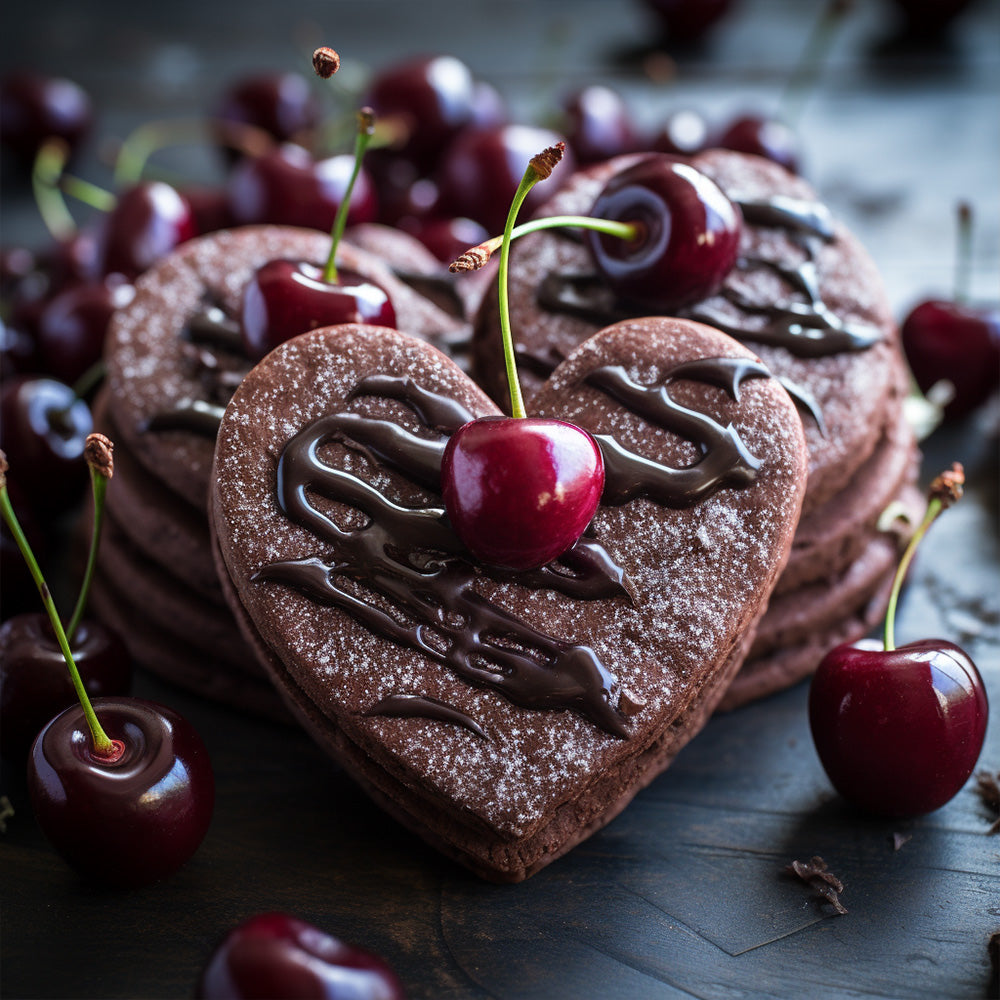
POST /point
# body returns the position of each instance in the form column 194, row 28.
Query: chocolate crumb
column 326, row 62
column 988, row 786
column 898, row 839
column 814, row 873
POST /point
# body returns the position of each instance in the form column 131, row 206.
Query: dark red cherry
column 520, row 492
column 898, row 732
column 73, row 260
column 275, row 955
column 282, row 104
column 431, row 100
column 287, row 297
column 482, row 168
column 766, row 137
column 16, row 264
column 598, row 124
column 149, row 220
column 687, row 21
column 957, row 343
column 34, row 108
column 209, row 208
column 683, row 133
column 17, row 351
column 34, row 682
column 690, row 234
column 286, row 186
column 43, row 428
column 72, row 327
column 133, row 820
column 446, row 238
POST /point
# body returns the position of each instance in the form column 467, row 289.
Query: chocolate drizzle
column 213, row 349
column 725, row 460
column 405, row 576
column 417, row 705
column 807, row 328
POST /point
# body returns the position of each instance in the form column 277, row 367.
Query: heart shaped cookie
column 504, row 716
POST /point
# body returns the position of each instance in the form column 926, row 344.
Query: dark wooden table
column 684, row 894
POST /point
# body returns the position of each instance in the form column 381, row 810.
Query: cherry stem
column 802, row 81
column 89, row 194
column 366, row 128
column 144, row 141
column 103, row 746
column 944, row 491
column 538, row 168
column 477, row 256
column 963, row 258
column 89, row 380
column 46, row 171
column 100, row 468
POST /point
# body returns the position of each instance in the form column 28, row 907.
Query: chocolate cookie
column 504, row 716
column 803, row 294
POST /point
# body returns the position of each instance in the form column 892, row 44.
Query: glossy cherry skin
column 43, row 428
column 682, row 133
column 446, row 238
column 482, row 168
column 149, row 220
column 282, row 104
column 133, row 821
column 34, row 108
column 898, row 732
column 286, row 186
column 34, row 680
column 690, row 239
column 945, row 340
column 73, row 326
column 432, row 99
column 276, row 955
column 766, row 137
column 287, row 297
column 520, row 492
column 598, row 124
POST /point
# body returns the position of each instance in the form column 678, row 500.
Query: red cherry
column 43, row 429
column 482, row 168
column 149, row 220
column 72, row 327
column 683, row 133
column 433, row 99
column 209, row 208
column 690, row 234
column 275, row 955
column 766, row 137
column 898, row 732
column 287, row 297
column 946, row 340
column 445, row 238
column 286, row 186
column 282, row 104
column 131, row 820
column 34, row 108
column 520, row 492
column 34, row 682
column 598, row 124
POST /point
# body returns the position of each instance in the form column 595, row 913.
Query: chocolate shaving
column 814, row 873
column 988, row 786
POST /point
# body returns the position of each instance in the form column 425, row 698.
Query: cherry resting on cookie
column 899, row 729
column 520, row 491
column 276, row 955
column 122, row 788
column 287, row 297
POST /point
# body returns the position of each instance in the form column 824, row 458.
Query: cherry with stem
column 899, row 729
column 519, row 490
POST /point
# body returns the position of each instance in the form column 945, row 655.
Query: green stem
column 91, row 378
column 528, row 181
column 366, row 128
column 103, row 746
column 934, row 507
column 99, row 486
column 48, row 167
column 89, row 194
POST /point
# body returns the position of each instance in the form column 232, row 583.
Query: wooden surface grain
column 685, row 894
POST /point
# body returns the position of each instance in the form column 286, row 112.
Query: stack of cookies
column 806, row 298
